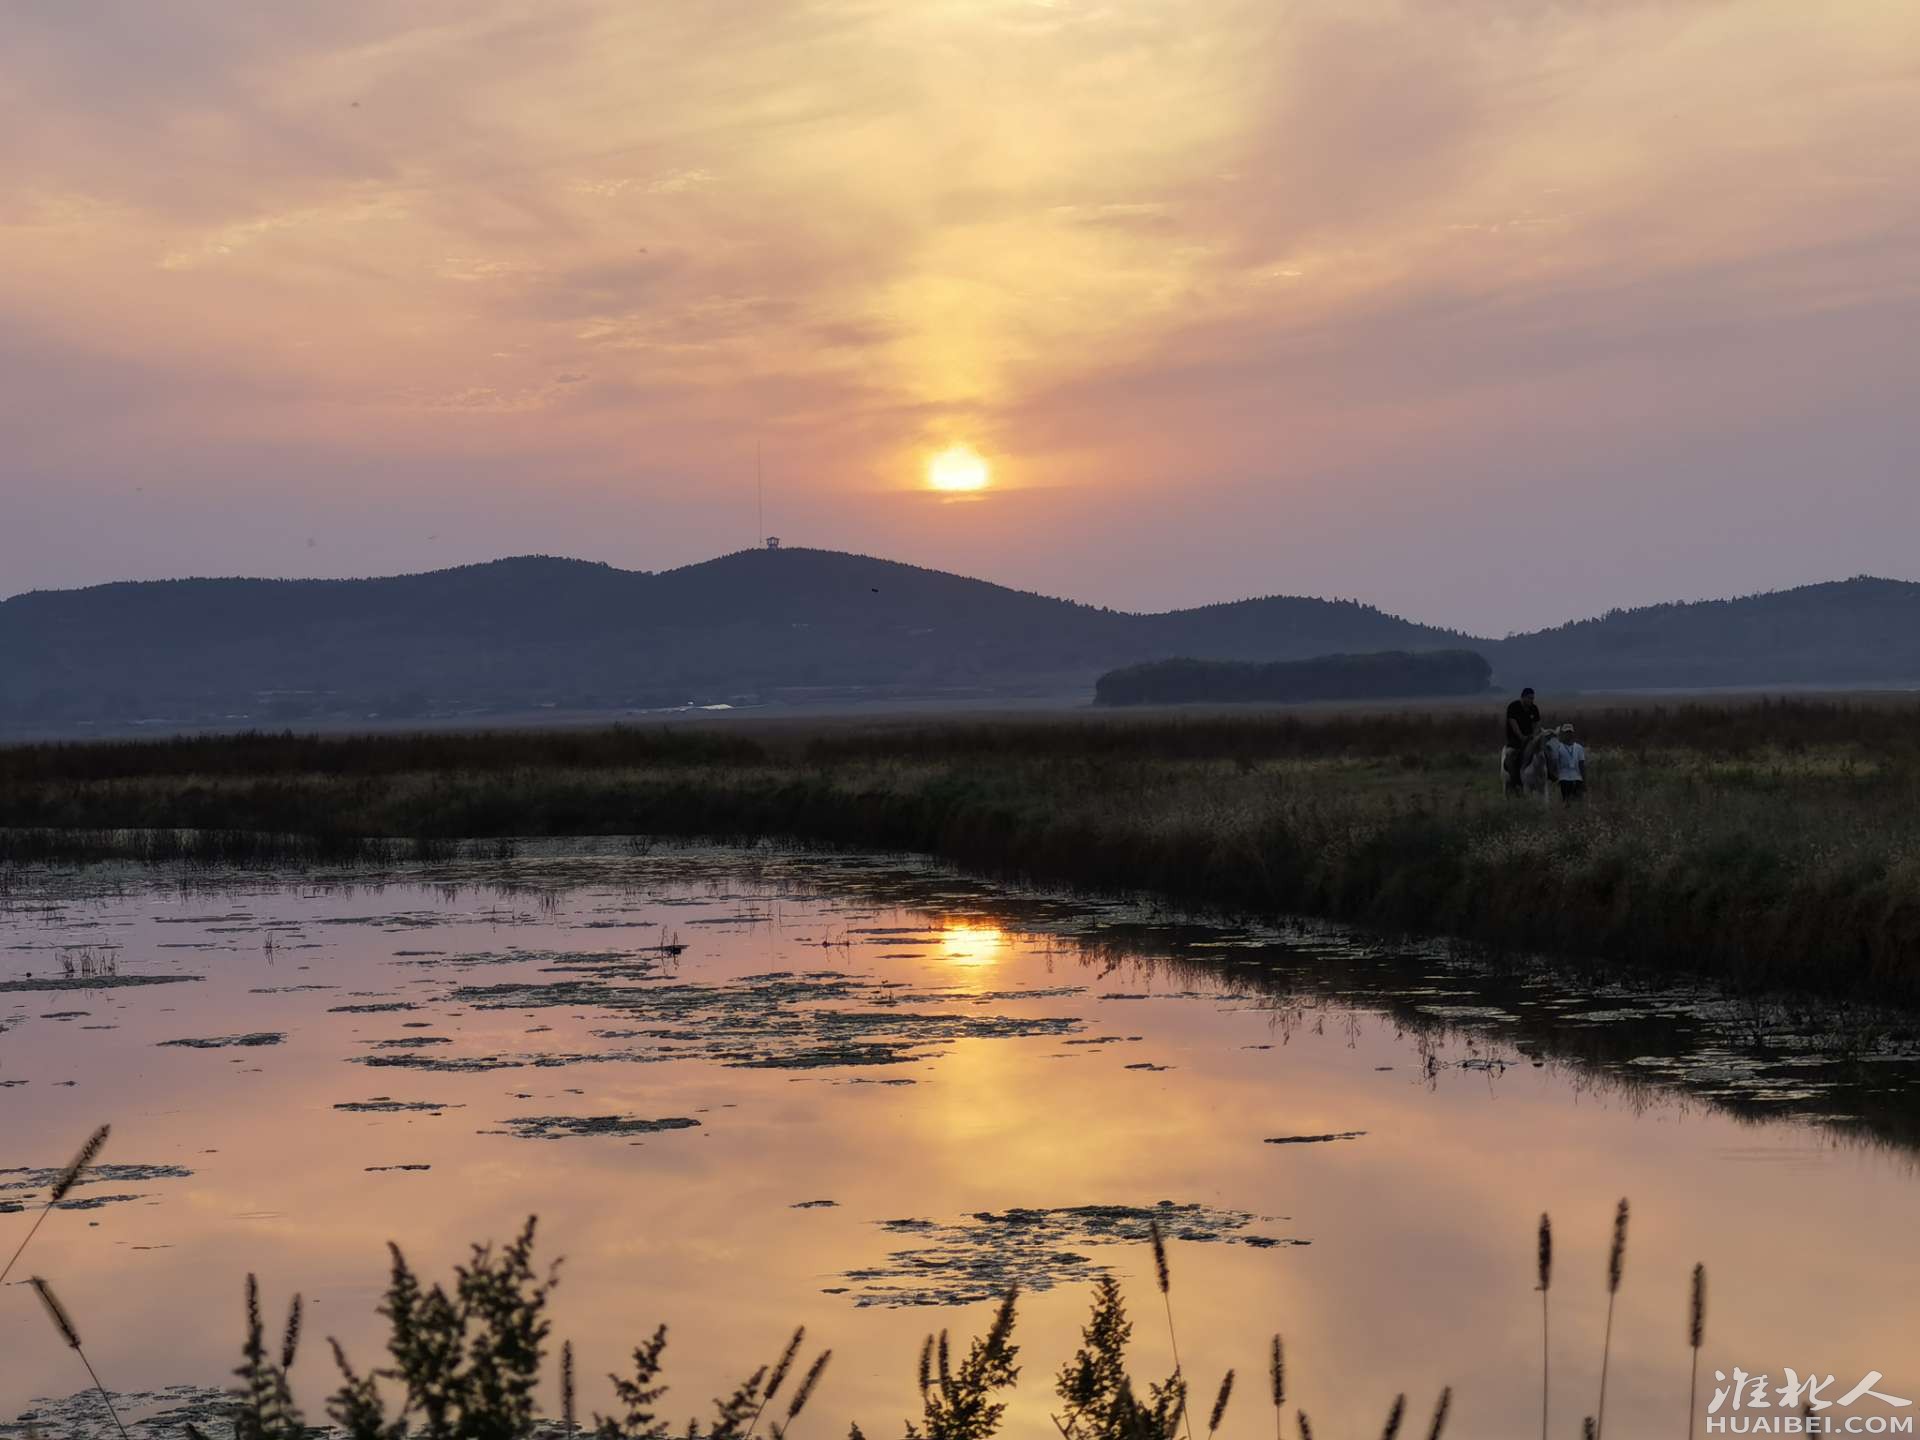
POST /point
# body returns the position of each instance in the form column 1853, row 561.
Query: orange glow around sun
column 965, row 944
column 958, row 468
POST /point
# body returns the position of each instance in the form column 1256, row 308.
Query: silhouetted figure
column 1523, row 718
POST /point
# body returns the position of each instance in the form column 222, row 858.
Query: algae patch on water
column 979, row 1257
column 566, row 1127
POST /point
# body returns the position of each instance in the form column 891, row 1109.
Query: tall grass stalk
column 1440, row 1409
column 57, row 1313
column 1545, row 1257
column 1616, row 1264
column 778, row 1378
column 1219, row 1412
column 1277, row 1377
column 566, row 1386
column 1394, row 1417
column 1165, row 1276
column 1696, row 1332
column 69, row 1178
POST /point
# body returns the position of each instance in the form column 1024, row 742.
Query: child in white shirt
column 1569, row 760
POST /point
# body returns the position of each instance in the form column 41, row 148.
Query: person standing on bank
column 1523, row 718
column 1569, row 760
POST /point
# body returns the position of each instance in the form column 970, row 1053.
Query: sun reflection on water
column 965, row 943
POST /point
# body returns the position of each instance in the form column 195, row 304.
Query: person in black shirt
column 1523, row 718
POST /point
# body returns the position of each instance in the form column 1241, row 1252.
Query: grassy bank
column 1771, row 844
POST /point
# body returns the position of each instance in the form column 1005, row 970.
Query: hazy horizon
column 1492, row 314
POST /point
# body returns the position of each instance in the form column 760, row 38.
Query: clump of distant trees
column 1384, row 675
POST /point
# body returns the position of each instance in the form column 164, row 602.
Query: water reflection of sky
column 908, row 1062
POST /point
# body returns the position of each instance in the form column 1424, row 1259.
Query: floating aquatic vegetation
column 26, row 1180
column 563, row 1127
column 981, row 1257
column 447, row 1064
column 381, row 1105
column 228, row 1042
column 379, row 1008
column 161, row 1414
column 1314, row 1139
column 92, row 982
column 782, row 1020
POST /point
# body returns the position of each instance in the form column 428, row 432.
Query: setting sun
column 958, row 467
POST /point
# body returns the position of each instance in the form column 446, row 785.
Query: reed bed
column 1773, row 846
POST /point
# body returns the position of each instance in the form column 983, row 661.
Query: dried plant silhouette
column 1277, row 1385
column 63, row 1323
column 1165, row 1277
column 463, row 1364
column 1696, row 1333
column 1097, row 1395
column 67, row 1179
column 1545, row 1266
column 1616, row 1265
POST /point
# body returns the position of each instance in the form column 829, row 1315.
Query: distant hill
column 1383, row 675
column 1862, row 631
column 797, row 625
column 759, row 625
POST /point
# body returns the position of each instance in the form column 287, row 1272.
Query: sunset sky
column 1492, row 312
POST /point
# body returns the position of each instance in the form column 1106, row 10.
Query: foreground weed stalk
column 1696, row 1332
column 1616, row 1263
column 1277, row 1375
column 1545, row 1257
column 1165, row 1276
column 69, row 1178
column 57, row 1313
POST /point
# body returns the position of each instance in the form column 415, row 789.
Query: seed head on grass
column 779, row 1376
column 1306, row 1430
column 67, row 1179
column 1277, row 1377
column 1544, row 1258
column 1394, row 1417
column 1440, row 1410
column 290, row 1340
column 1697, row 1311
column 1696, row 1332
column 1617, row 1255
column 56, row 1312
column 1165, row 1276
column 80, row 1164
column 566, row 1386
column 1616, row 1266
column 63, row 1322
column 805, row 1392
column 1220, row 1404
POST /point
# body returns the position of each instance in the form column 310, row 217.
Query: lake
column 749, row 1090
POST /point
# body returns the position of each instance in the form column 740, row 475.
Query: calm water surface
column 878, row 1094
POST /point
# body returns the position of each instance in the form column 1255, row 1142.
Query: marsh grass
column 462, row 1364
column 1771, row 844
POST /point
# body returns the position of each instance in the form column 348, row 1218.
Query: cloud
column 1328, row 259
